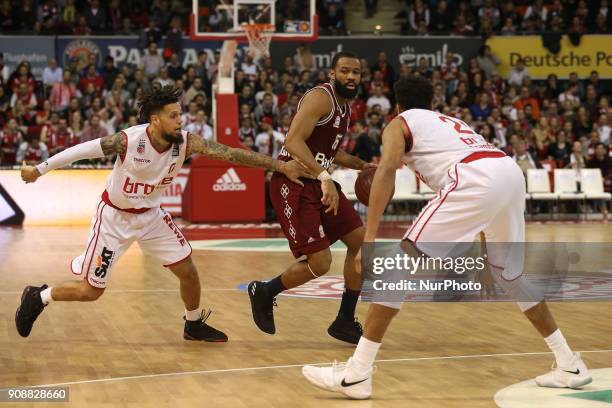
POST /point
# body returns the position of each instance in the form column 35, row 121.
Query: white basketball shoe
column 574, row 375
column 341, row 377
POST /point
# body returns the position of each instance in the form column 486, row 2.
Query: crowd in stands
column 557, row 122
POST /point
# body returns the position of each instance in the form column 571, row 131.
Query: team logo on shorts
column 141, row 146
column 288, row 211
column 284, row 191
column 104, row 262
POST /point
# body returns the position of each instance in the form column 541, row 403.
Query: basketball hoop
column 259, row 36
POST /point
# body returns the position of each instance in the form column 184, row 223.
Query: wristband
column 324, row 175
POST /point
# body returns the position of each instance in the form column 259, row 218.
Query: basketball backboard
column 293, row 20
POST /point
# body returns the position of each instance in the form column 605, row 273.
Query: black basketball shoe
column 261, row 306
column 346, row 330
column 200, row 331
column 29, row 309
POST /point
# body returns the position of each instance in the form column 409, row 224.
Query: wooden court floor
column 126, row 349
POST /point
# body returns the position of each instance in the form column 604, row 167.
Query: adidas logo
column 229, row 182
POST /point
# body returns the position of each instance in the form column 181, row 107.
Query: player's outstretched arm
column 214, row 150
column 94, row 149
column 384, row 180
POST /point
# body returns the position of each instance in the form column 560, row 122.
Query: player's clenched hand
column 330, row 196
column 294, row 170
column 29, row 174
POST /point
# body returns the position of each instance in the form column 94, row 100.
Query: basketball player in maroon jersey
column 317, row 214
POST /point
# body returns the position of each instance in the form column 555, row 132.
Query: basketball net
column 259, row 36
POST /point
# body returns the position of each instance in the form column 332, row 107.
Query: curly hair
column 154, row 101
column 413, row 93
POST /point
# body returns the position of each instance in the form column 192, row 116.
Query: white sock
column 557, row 344
column 193, row 315
column 45, row 296
column 365, row 354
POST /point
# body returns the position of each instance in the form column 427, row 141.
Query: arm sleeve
column 87, row 150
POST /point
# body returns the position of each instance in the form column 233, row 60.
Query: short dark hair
column 342, row 54
column 413, row 93
column 155, row 100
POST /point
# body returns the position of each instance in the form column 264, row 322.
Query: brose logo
column 229, row 182
column 104, row 261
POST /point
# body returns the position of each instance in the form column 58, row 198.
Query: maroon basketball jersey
column 325, row 139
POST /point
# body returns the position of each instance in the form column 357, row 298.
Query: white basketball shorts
column 112, row 233
column 485, row 195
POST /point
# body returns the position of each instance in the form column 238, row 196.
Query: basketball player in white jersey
column 149, row 156
column 479, row 189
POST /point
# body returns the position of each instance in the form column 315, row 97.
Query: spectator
column 93, row 131
column 383, row 66
column 82, row 28
column 366, row 147
column 577, row 158
column 95, row 16
column 481, row 110
column 151, row 63
column 518, row 73
column 139, row 81
column 109, row 72
column 115, row 16
column 441, row 18
column 127, row 27
column 509, row 28
column 52, row 73
column 93, row 78
column 11, row 138
column 26, row 96
column 267, row 109
column 269, row 141
column 418, row 12
column 332, row 20
column 190, row 116
column 200, row 127
column 174, row 38
column 560, row 150
column 527, row 100
column 249, row 68
column 603, row 128
column 175, row 69
column 524, row 158
column 379, row 99
column 488, row 12
column 246, row 133
column 601, row 160
column 194, row 90
column 32, row 152
column 163, row 78
column 570, row 96
column 461, row 27
column 59, row 139
column 246, row 97
column 43, row 115
column 151, row 34
column 487, row 61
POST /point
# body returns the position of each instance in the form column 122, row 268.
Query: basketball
column 363, row 184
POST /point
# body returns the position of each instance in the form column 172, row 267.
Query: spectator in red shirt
column 60, row 139
column 92, row 78
column 63, row 92
column 386, row 69
column 10, row 140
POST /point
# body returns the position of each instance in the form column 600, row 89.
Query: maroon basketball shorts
column 302, row 216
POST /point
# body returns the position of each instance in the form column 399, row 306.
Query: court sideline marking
column 237, row 370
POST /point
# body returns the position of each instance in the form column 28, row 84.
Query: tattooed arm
column 214, row 150
column 106, row 146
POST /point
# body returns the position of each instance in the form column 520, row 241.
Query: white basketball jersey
column 139, row 178
column 437, row 142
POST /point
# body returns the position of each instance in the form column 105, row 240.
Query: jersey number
column 459, row 129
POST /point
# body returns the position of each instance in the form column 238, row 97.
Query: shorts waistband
column 107, row 200
column 482, row 155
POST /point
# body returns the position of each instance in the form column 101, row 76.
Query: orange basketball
column 363, row 184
